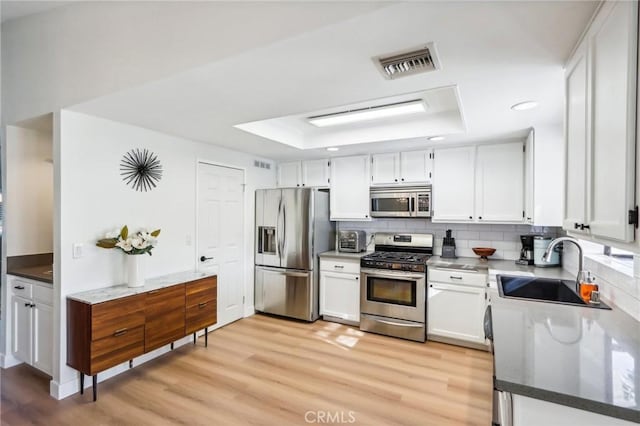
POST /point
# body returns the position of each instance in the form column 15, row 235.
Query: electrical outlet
column 78, row 249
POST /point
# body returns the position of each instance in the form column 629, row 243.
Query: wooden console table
column 109, row 326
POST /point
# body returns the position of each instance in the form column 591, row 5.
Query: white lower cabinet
column 340, row 290
column 32, row 323
column 456, row 312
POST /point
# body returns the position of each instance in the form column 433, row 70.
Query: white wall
column 93, row 200
column 88, row 49
column 28, row 194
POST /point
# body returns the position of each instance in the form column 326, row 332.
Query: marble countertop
column 575, row 356
column 116, row 292
column 340, row 254
column 42, row 273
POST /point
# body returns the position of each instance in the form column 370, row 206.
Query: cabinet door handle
column 202, row 305
column 576, row 225
column 205, row 258
column 357, row 278
column 19, row 287
column 470, row 217
column 583, row 227
column 120, row 332
column 27, row 305
column 338, row 266
column 453, row 277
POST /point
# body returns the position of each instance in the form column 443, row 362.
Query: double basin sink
column 542, row 290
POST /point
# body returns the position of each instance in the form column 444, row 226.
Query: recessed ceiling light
column 523, row 106
column 366, row 114
column 436, row 138
column 333, row 148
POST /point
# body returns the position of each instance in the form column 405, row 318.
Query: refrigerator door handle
column 279, row 232
column 284, row 227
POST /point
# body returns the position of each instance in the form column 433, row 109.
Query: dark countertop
column 43, row 273
column 575, row 356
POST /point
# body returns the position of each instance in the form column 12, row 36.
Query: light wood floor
column 268, row 371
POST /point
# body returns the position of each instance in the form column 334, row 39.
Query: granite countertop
column 340, row 254
column 42, row 273
column 575, row 356
column 116, row 292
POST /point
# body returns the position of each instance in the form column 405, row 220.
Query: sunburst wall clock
column 141, row 169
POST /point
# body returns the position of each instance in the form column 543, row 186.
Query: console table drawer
column 200, row 316
column 202, row 291
column 110, row 317
column 117, row 348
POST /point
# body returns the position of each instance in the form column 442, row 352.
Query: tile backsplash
column 504, row 238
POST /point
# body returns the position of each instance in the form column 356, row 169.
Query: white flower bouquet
column 142, row 242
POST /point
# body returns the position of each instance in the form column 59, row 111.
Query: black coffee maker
column 526, row 252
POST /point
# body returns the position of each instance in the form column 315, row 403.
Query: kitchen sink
column 542, row 290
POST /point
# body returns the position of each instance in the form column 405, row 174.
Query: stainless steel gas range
column 393, row 286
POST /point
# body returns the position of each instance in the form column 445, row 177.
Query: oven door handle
column 399, row 324
column 400, row 276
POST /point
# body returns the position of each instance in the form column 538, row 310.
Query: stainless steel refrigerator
column 292, row 228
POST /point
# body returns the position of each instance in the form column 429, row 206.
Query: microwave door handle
column 260, row 246
column 412, row 205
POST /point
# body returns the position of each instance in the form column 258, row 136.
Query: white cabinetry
column 529, row 189
column 32, row 323
column 340, row 290
column 415, row 167
column 500, row 183
column 311, row 173
column 455, row 306
column 453, row 184
column 349, row 195
column 479, row 184
column 601, row 121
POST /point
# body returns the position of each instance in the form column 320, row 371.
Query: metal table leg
column 95, row 388
column 206, row 337
column 81, row 383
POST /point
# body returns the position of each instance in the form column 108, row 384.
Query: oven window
column 388, row 290
column 400, row 204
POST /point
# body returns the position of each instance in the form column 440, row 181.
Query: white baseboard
column 8, row 361
column 71, row 387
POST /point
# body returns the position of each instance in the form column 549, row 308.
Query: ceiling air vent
column 408, row 62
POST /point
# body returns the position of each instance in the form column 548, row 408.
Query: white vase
column 136, row 269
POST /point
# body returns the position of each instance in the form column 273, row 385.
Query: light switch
column 77, row 250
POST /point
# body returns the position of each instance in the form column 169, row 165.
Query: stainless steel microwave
column 401, row 202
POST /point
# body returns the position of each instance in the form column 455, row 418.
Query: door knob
column 204, row 258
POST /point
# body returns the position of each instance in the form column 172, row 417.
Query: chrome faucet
column 549, row 251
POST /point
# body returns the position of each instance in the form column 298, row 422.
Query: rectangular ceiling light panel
column 367, row 114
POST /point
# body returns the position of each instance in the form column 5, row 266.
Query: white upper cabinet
column 499, row 183
column 414, row 167
column 576, row 140
column 315, row 173
column 453, row 184
column 385, row 168
column 310, row 173
column 289, row 174
column 479, row 184
column 529, row 167
column 349, row 194
column 601, row 121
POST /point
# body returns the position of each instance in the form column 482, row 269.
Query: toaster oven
column 352, row 241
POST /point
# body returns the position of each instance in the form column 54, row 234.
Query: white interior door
column 220, row 235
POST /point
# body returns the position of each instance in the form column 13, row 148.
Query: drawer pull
column 202, row 305
column 338, row 266
column 19, row 287
column 120, row 332
column 453, row 277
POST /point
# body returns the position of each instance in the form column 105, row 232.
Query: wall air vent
column 408, row 62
